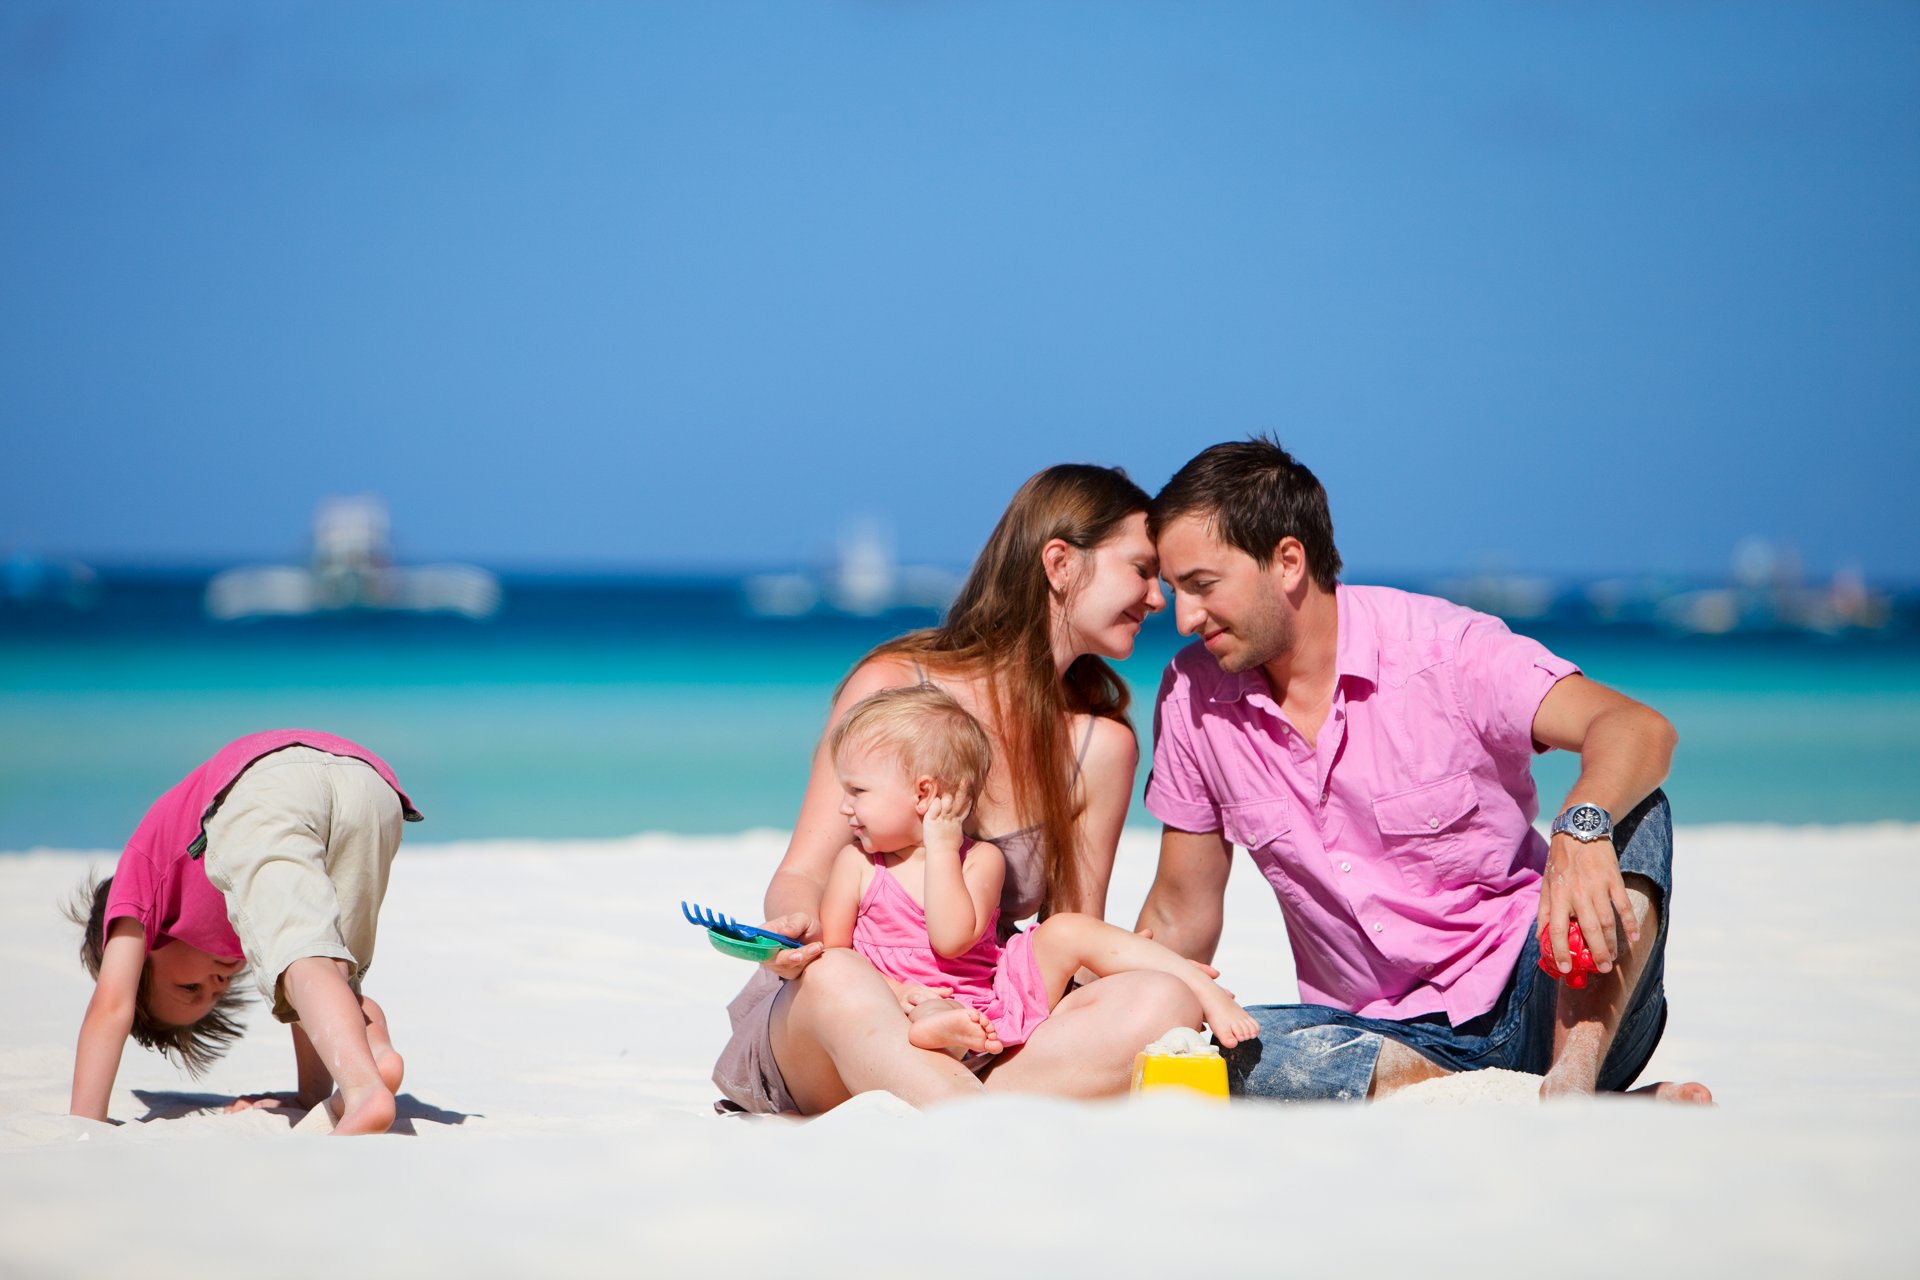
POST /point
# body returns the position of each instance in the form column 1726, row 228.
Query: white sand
column 558, row 1022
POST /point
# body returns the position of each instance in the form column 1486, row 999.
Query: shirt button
column 1378, row 927
column 1346, row 866
column 1433, row 824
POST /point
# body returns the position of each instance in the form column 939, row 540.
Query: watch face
column 1587, row 820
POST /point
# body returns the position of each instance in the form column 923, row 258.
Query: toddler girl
column 274, row 855
column 921, row 901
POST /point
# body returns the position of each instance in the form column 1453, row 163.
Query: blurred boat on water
column 1768, row 592
column 27, row 579
column 351, row 570
column 864, row 581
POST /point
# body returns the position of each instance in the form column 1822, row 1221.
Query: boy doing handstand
column 273, row 855
column 921, row 901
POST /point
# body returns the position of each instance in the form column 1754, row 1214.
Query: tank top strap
column 1080, row 754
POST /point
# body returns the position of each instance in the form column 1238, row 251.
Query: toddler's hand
column 940, row 825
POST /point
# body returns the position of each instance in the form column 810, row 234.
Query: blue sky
column 1577, row 289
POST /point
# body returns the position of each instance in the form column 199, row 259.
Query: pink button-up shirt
column 1401, row 843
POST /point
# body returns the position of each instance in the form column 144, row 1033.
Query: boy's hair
column 926, row 731
column 1253, row 493
column 196, row 1046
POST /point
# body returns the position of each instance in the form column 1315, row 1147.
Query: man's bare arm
column 1185, row 907
column 1626, row 749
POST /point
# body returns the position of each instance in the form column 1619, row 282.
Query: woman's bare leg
column 1085, row 1048
column 838, row 1031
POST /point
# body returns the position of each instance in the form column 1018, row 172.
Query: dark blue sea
column 602, row 706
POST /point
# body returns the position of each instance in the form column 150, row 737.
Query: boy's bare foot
column 1229, row 1023
column 361, row 1111
column 386, row 1060
column 951, row 1027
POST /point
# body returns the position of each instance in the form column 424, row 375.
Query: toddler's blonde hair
column 925, row 730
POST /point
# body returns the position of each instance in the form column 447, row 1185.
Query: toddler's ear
column 925, row 788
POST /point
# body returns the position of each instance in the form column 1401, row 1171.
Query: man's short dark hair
column 1254, row 493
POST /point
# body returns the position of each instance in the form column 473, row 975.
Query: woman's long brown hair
column 999, row 629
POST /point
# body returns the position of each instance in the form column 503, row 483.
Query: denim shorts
column 1306, row 1051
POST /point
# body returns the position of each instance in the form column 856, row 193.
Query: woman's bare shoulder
column 1112, row 751
column 881, row 671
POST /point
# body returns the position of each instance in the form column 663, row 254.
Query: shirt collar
column 1356, row 654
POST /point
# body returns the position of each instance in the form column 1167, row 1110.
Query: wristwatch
column 1584, row 822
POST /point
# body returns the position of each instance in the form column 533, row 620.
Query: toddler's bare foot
column 1229, row 1023
column 361, row 1111
column 952, row 1028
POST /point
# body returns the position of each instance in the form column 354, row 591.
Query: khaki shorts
column 300, row 849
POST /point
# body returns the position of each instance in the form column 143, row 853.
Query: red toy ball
column 1582, row 958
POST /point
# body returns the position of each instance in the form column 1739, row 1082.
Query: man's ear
column 1290, row 562
column 1059, row 558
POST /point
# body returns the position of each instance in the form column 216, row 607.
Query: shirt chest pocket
column 1427, row 831
column 1260, row 827
column 1255, row 824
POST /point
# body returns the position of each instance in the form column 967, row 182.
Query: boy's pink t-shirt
column 160, row 880
column 1401, row 842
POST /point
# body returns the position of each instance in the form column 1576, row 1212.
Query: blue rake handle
column 706, row 919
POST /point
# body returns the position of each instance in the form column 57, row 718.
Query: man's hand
column 789, row 961
column 1583, row 882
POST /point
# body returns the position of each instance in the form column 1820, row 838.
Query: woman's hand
column 789, row 962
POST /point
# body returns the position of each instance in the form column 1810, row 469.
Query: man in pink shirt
column 1372, row 750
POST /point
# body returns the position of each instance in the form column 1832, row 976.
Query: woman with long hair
column 1062, row 586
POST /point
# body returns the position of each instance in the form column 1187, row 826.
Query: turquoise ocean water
column 601, row 707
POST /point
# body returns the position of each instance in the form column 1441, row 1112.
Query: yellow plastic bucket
column 1202, row 1073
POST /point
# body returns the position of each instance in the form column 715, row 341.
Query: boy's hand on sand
column 266, row 1102
column 788, row 962
column 940, row 824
